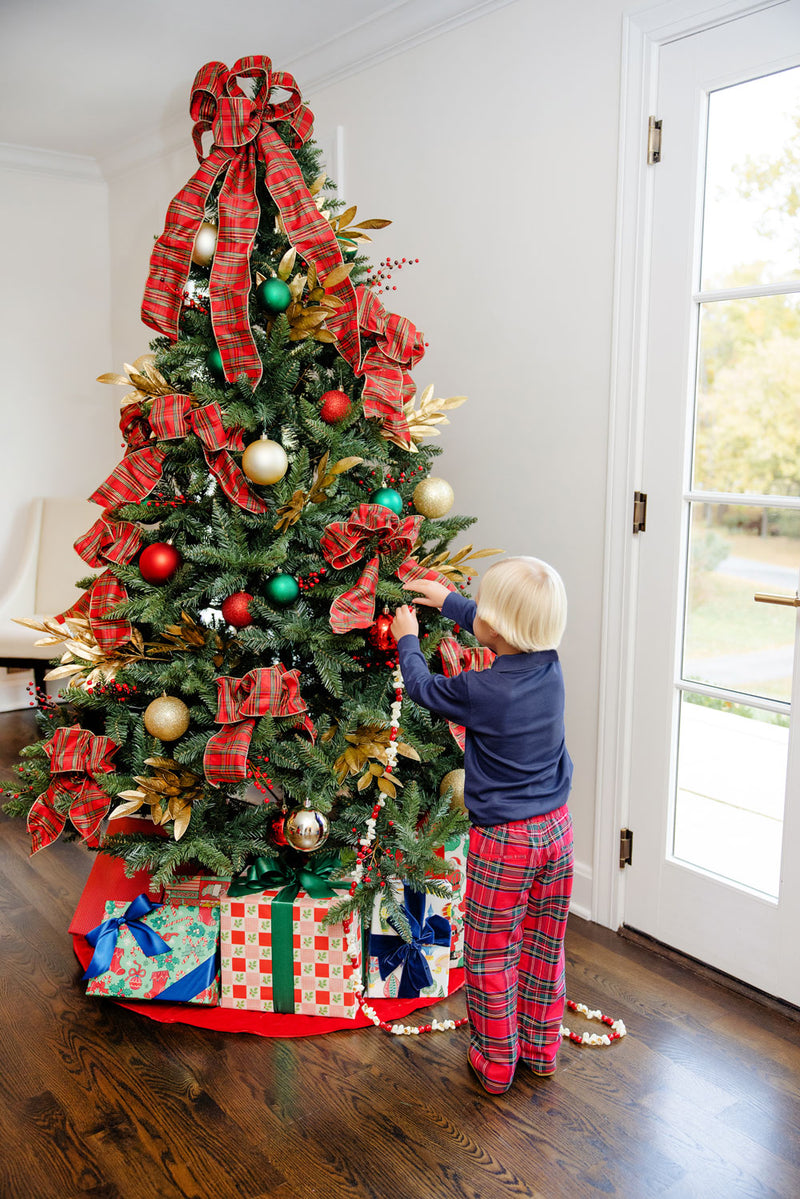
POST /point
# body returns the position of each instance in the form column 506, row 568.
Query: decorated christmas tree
column 231, row 675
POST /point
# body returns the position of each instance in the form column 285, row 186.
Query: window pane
column 750, row 226
column 730, row 640
column 731, row 789
column 747, row 428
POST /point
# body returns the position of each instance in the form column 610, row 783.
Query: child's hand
column 404, row 622
column 433, row 594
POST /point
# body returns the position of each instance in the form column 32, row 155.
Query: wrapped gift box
column 186, row 973
column 397, row 969
column 454, row 852
column 312, row 976
column 191, row 889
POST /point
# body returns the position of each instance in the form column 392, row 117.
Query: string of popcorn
column 352, row 942
column 618, row 1029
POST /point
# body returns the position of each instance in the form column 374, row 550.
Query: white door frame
column 643, row 35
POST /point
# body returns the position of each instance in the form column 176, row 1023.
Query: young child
column 518, row 777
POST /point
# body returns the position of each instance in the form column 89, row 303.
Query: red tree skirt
column 107, row 881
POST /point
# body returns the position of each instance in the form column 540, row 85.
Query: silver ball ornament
column 204, row 244
column 306, row 829
column 433, row 497
column 265, row 461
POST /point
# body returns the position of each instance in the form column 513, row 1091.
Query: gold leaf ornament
column 143, row 376
column 371, row 742
column 169, row 792
column 423, row 420
column 457, row 568
column 81, row 650
column 323, row 477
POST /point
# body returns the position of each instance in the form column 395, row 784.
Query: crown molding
column 30, row 159
column 388, row 33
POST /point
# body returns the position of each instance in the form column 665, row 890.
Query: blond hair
column 523, row 599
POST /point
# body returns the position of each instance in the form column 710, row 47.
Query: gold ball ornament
column 265, row 461
column 454, row 780
column 204, row 244
column 306, row 829
column 433, row 497
column 166, row 718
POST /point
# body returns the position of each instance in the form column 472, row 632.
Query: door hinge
column 653, row 141
column 625, row 847
column 639, row 511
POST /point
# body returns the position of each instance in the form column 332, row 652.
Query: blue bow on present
column 392, row 952
column 103, row 938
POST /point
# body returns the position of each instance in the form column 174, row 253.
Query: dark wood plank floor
column 701, row 1100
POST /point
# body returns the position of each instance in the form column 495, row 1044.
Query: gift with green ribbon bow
column 275, row 956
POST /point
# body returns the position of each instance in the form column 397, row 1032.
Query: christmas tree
column 274, row 495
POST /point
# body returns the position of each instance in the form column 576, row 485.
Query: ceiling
column 91, row 77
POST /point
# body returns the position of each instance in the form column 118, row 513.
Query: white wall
column 60, row 434
column 493, row 149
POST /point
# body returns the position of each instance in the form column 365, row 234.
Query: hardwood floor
column 700, row 1101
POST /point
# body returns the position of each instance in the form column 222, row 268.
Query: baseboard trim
column 581, row 902
column 709, row 973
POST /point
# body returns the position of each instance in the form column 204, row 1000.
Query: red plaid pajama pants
column 519, row 882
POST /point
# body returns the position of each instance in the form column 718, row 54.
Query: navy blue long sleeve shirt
column 515, row 758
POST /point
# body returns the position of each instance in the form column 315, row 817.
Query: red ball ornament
column 158, row 562
column 380, row 635
column 235, row 609
column 335, row 406
column 277, row 829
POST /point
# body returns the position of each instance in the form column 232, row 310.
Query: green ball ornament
column 387, row 497
column 214, row 364
column 273, row 296
column 282, row 589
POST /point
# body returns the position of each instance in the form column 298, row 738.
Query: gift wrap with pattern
column 195, row 888
column 192, row 932
column 454, row 851
column 318, row 979
column 437, row 956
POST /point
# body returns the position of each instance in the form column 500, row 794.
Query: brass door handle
column 788, row 601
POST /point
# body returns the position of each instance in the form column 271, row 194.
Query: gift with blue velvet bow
column 400, row 969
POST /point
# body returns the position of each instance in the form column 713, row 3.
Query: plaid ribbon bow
column 172, row 416
column 107, row 541
column 76, row 757
column 398, row 347
column 370, row 527
column 456, row 658
column 268, row 690
column 244, row 131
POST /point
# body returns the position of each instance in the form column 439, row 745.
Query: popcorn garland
column 618, row 1029
column 352, row 943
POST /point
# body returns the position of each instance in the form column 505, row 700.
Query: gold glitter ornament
column 306, row 829
column 454, row 780
column 265, row 461
column 166, row 718
column 204, row 244
column 433, row 497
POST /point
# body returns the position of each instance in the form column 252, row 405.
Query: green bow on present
column 311, row 875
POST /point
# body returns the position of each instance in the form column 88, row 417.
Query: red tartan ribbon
column 411, row 569
column 268, row 690
column 244, row 131
column 96, row 603
column 107, row 541
column 76, row 757
column 371, row 528
column 134, row 427
column 456, row 658
column 172, row 416
column 386, row 364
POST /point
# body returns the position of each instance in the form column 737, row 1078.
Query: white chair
column 44, row 584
